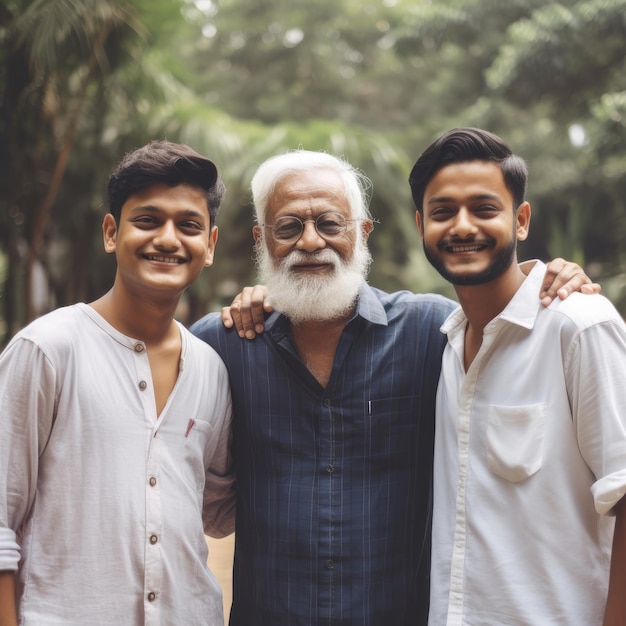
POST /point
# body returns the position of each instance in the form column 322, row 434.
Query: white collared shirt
column 530, row 454
column 101, row 501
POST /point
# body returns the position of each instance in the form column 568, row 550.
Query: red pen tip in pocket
column 190, row 424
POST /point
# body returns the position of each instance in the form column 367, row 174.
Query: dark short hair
column 167, row 163
column 461, row 145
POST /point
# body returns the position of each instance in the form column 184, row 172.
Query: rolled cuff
column 9, row 550
column 608, row 491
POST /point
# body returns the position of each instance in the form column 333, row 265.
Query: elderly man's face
column 307, row 195
column 314, row 275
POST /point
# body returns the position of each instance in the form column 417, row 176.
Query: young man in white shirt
column 115, row 424
column 530, row 444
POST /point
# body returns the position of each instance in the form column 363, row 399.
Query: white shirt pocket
column 515, row 440
column 196, row 454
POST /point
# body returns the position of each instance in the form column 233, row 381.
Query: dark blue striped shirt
column 334, row 484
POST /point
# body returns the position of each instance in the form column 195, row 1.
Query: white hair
column 271, row 172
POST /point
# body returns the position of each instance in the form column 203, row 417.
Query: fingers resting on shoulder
column 563, row 278
column 246, row 312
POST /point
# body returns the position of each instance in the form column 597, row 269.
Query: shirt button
column 142, row 384
column 153, row 539
column 330, row 564
column 326, row 401
column 139, row 347
column 151, row 596
column 152, row 481
column 330, row 468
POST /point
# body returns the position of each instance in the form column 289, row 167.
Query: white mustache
column 298, row 257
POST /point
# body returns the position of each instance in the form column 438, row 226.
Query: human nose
column 463, row 225
column 167, row 237
column 310, row 239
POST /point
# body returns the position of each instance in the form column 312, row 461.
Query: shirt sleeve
column 218, row 510
column 596, row 378
column 27, row 408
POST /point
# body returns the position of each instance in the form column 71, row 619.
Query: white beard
column 307, row 298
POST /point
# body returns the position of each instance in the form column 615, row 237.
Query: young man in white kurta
column 530, row 437
column 115, row 422
column 100, row 487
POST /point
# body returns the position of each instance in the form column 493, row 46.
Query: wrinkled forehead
column 310, row 192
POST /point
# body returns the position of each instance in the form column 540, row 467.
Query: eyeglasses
column 289, row 228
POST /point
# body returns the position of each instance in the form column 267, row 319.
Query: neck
column 482, row 303
column 316, row 342
column 150, row 320
column 320, row 329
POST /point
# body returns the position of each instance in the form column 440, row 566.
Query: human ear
column 208, row 261
column 367, row 227
column 522, row 221
column 420, row 223
column 109, row 233
column 257, row 234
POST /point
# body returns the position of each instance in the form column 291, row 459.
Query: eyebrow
column 150, row 208
column 480, row 196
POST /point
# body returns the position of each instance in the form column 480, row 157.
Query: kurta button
column 153, row 539
column 152, row 481
column 330, row 468
column 326, row 401
column 151, row 596
column 139, row 347
column 330, row 564
column 142, row 384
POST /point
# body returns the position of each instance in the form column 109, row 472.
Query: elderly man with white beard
column 333, row 414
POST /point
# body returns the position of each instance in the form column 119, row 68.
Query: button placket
column 153, row 515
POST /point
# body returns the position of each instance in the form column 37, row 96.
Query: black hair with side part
column 462, row 145
column 167, row 163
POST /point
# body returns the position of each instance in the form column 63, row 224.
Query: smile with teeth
column 464, row 248
column 164, row 259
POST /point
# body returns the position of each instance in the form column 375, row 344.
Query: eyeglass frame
column 315, row 220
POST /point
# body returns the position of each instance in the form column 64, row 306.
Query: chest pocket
column 197, row 454
column 515, row 440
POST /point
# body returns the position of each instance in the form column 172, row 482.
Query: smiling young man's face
column 164, row 238
column 470, row 226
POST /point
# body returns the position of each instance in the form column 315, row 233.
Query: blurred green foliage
column 83, row 81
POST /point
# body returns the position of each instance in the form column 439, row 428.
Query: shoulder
column 201, row 357
column 212, row 331
column 197, row 347
column 48, row 342
column 209, row 324
column 585, row 311
column 56, row 329
column 422, row 304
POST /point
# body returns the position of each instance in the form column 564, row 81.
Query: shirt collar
column 525, row 305
column 521, row 310
column 368, row 307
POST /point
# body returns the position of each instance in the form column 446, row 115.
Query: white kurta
column 101, row 501
column 530, row 454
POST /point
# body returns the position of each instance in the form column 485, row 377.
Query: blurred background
column 84, row 81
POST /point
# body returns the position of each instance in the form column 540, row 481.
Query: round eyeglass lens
column 287, row 228
column 330, row 224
